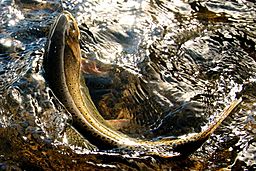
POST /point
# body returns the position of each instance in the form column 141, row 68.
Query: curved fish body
column 62, row 62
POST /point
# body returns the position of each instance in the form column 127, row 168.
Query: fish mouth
column 72, row 26
column 66, row 24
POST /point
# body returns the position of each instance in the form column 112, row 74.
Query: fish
column 62, row 71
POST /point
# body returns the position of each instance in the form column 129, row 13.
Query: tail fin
column 192, row 143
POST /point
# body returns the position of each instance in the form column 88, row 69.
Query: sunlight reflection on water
column 168, row 67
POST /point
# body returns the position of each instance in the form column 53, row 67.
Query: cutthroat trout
column 62, row 62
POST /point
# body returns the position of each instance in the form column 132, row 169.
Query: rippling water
column 155, row 69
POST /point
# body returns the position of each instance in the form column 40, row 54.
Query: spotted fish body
column 62, row 62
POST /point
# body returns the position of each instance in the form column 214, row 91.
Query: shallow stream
column 155, row 69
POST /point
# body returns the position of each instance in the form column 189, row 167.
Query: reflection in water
column 158, row 69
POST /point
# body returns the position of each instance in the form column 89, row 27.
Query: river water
column 155, row 69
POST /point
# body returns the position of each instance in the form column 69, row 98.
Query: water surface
column 155, row 69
